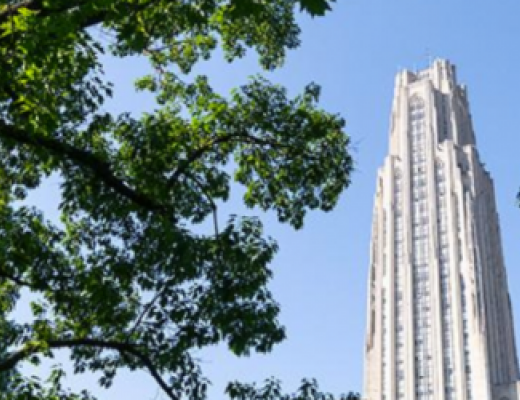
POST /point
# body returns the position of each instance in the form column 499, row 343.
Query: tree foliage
column 123, row 281
column 271, row 390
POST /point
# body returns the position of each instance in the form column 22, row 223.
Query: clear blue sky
column 320, row 272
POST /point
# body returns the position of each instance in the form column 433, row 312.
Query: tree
column 122, row 281
column 272, row 390
column 5, row 377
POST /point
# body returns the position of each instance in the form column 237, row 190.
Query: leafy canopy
column 123, row 281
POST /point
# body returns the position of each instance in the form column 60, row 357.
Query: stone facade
column 439, row 323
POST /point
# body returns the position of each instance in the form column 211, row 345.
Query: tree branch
column 37, row 5
column 223, row 139
column 196, row 155
column 148, row 307
column 84, row 158
column 18, row 281
column 124, row 348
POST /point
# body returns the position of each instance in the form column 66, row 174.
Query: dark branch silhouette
column 100, row 168
column 124, row 348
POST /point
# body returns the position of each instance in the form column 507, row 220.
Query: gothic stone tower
column 439, row 324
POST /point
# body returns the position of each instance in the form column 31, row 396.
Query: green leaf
column 316, row 7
